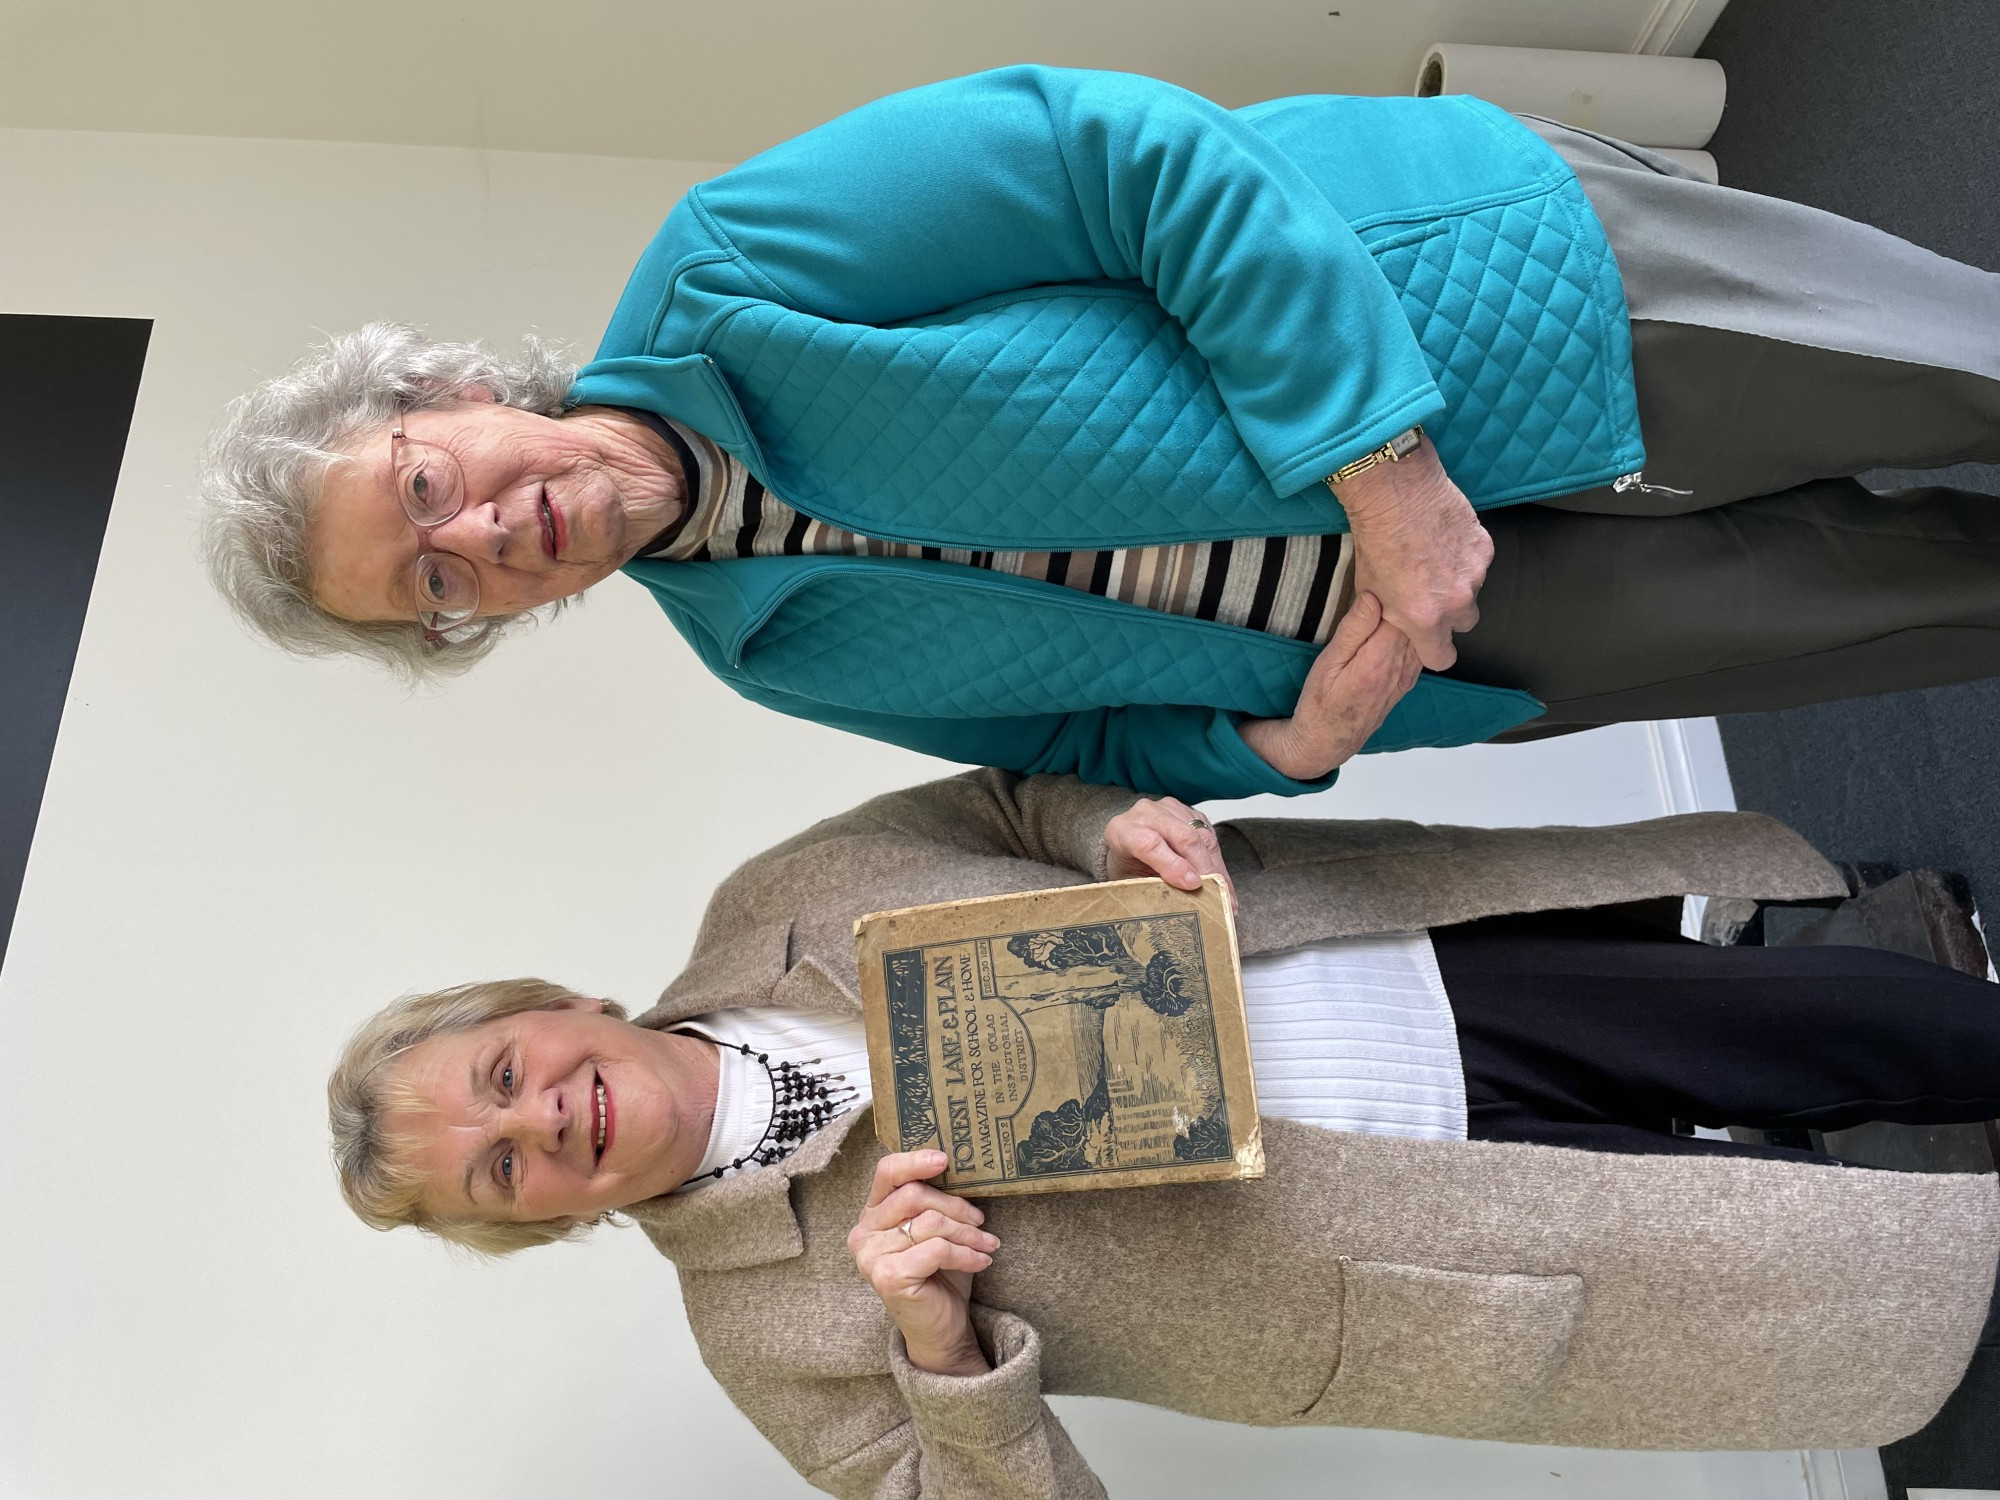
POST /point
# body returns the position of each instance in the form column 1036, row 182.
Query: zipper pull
column 1636, row 480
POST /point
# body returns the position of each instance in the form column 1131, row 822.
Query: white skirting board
column 1845, row 1474
column 1687, row 756
column 1677, row 28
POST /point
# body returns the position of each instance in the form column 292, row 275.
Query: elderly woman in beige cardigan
column 1647, row 1291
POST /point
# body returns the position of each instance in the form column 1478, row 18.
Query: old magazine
column 1087, row 1037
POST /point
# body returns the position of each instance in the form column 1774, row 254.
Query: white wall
column 675, row 78
column 224, row 882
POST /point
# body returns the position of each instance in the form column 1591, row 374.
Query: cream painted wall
column 715, row 81
column 240, row 856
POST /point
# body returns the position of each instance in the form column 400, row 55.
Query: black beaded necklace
column 802, row 1100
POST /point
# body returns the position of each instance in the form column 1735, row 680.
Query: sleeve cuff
column 978, row 1411
column 1097, row 806
column 1249, row 769
column 1424, row 403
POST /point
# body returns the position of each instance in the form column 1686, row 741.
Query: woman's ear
column 477, row 393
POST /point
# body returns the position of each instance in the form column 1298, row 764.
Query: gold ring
column 1197, row 822
column 905, row 1227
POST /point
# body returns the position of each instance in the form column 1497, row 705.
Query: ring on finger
column 1197, row 822
column 908, row 1235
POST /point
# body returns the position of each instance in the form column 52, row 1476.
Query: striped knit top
column 1293, row 586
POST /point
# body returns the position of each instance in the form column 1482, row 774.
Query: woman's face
column 551, row 506
column 551, row 1114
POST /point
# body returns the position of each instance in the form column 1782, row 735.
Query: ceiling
column 707, row 82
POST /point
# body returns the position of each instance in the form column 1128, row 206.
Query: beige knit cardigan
column 1469, row 1288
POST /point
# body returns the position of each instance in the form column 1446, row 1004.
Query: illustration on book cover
column 1061, row 1051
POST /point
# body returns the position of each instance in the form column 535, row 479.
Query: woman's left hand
column 1165, row 837
column 1419, row 548
column 919, row 1248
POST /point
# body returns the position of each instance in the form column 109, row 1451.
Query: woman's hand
column 1419, row 548
column 1167, row 838
column 1361, row 674
column 919, row 1248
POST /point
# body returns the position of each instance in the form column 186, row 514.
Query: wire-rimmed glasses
column 431, row 488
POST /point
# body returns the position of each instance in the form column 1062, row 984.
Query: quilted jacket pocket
column 1453, row 1352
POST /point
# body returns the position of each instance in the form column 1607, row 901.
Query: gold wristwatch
column 1398, row 448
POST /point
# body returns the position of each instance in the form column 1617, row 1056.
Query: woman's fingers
column 1166, row 838
column 1363, row 618
column 1193, row 838
column 1148, row 851
column 908, row 1269
column 905, row 1211
column 1413, row 668
column 899, row 1167
column 912, row 1199
column 934, row 1226
column 1361, row 624
column 1348, row 668
column 884, row 1252
column 1381, row 672
column 917, row 1198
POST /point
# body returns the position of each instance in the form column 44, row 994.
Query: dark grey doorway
column 67, row 387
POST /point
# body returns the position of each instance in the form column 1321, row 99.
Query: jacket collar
column 687, row 388
column 746, row 1219
column 726, row 976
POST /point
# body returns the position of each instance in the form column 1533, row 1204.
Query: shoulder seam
column 729, row 246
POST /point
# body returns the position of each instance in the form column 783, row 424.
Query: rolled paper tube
column 1698, row 162
column 1649, row 101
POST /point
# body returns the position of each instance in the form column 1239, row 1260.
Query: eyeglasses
column 431, row 487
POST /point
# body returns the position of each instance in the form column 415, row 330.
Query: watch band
column 1398, row 448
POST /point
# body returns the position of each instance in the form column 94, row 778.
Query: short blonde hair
column 383, row 1188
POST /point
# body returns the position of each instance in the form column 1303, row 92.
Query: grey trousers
column 1779, row 350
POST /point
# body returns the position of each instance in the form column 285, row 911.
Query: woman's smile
column 601, row 1134
column 555, row 526
column 520, row 1118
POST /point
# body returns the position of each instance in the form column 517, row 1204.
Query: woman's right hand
column 1360, row 675
column 919, row 1248
column 1163, row 836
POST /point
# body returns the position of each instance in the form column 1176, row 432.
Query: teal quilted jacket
column 1044, row 309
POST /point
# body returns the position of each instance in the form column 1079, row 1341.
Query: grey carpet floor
column 1887, row 111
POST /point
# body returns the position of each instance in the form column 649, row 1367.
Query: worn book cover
column 1087, row 1037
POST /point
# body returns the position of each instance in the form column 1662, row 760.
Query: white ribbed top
column 1348, row 1034
column 1356, row 1034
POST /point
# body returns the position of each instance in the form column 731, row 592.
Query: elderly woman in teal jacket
column 1063, row 421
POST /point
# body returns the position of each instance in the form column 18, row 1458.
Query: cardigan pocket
column 1284, row 843
column 1460, row 1353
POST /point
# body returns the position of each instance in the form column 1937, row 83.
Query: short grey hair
column 262, row 471
column 382, row 1187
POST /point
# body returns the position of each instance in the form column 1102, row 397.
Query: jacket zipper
column 1636, row 480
